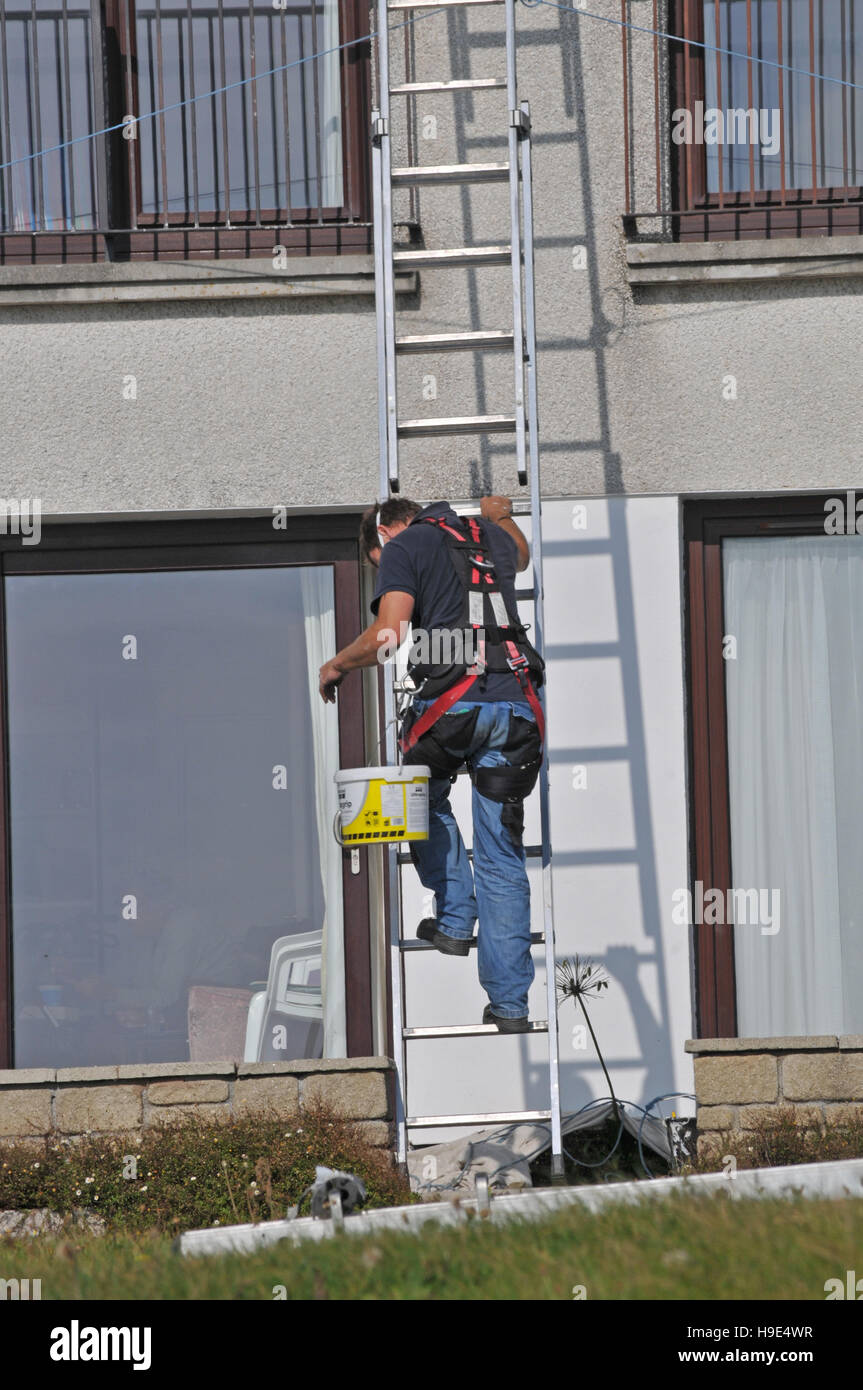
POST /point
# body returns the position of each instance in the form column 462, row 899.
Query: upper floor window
column 758, row 119
column 224, row 124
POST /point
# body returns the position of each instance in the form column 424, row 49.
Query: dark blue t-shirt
column 417, row 562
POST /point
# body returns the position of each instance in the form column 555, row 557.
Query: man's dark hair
column 393, row 510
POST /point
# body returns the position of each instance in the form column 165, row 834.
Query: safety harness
column 500, row 640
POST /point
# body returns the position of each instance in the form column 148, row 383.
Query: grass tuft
column 683, row 1247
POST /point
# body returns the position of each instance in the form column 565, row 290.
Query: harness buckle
column 517, row 663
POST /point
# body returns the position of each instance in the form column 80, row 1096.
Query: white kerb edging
column 840, row 1179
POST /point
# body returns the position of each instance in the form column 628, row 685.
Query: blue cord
column 435, row 1186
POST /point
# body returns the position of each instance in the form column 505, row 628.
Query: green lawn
column 704, row 1247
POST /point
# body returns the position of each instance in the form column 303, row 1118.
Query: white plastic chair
column 289, row 1013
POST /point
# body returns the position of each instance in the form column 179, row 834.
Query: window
column 769, row 152
column 232, row 128
column 775, row 596
column 174, row 889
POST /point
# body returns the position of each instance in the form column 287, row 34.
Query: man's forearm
column 378, row 643
column 364, row 649
column 499, row 510
column 512, row 528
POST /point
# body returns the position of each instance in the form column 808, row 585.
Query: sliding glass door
column 175, row 891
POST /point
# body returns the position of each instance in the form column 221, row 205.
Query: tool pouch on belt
column 509, row 783
column 443, row 747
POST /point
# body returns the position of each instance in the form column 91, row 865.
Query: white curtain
column 795, row 755
column 332, row 192
column 320, row 629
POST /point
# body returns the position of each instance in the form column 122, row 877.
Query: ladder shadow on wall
column 624, row 962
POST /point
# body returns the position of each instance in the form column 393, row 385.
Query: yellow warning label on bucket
column 393, row 803
column 380, row 805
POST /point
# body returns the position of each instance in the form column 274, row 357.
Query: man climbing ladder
column 453, row 580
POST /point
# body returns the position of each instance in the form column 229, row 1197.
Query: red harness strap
column 516, row 662
column 442, row 705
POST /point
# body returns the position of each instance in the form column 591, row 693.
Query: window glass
column 46, row 77
column 275, row 142
column 168, row 764
column 838, row 112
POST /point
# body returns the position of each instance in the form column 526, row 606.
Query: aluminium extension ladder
column 521, row 341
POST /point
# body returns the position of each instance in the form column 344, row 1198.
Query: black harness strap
column 503, row 645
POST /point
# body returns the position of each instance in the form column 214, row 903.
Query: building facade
column 188, row 427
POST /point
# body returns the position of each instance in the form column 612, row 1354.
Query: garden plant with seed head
column 575, row 980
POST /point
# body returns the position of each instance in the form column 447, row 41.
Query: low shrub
column 202, row 1173
column 787, row 1138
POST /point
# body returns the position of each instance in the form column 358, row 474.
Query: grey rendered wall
column 266, row 400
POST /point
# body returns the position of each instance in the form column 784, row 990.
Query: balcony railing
column 166, row 122
column 743, row 118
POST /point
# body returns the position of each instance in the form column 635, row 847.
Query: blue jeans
column 500, row 893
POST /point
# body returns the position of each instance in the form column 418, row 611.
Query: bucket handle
column 337, row 829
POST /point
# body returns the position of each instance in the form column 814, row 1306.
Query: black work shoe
column 448, row 945
column 506, row 1025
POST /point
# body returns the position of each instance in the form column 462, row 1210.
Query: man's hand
column 495, row 508
column 499, row 510
column 330, row 678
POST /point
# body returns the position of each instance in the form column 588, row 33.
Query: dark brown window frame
column 147, row 546
column 789, row 212
column 311, row 231
column 706, row 524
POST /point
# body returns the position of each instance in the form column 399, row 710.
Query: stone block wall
column 742, row 1082
column 72, row 1101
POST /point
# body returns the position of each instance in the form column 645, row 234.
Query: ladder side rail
column 377, row 174
column 392, row 483
column 397, row 963
column 539, row 632
column 389, row 482
column 515, row 244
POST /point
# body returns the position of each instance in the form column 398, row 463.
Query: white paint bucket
column 379, row 805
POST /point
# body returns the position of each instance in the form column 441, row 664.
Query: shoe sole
column 506, row 1025
column 447, row 945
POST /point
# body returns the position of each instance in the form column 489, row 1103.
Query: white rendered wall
column 616, row 710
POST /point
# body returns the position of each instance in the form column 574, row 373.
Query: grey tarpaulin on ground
column 504, row 1152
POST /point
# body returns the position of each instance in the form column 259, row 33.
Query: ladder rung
column 502, row 1117
column 411, row 943
column 461, row 84
column 452, row 173
column 530, row 851
column 436, row 4
column 457, row 256
column 470, row 1030
column 455, row 342
column 465, row 424
column 474, row 509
